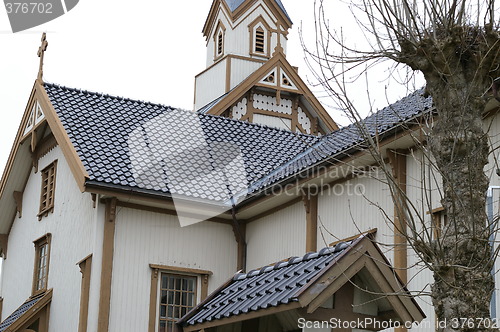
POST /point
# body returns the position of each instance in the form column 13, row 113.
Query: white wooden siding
column 143, row 238
column 211, row 84
column 344, row 210
column 72, row 226
column 276, row 237
column 273, row 121
column 241, row 69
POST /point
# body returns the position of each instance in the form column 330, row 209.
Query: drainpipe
column 489, row 204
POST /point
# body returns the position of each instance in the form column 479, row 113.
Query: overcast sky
column 148, row 50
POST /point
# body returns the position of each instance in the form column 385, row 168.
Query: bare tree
column 455, row 44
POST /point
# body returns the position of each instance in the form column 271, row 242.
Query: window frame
column 220, row 33
column 260, row 23
column 46, row 208
column 175, row 306
column 39, row 243
column 201, row 289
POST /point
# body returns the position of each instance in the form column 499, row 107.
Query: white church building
column 253, row 212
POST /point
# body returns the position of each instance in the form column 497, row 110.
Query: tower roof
column 234, row 4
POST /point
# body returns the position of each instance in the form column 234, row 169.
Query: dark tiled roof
column 20, row 311
column 100, row 126
column 330, row 146
column 268, row 287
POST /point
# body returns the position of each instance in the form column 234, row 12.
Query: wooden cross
column 41, row 52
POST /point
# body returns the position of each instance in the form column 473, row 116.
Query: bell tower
column 248, row 77
column 241, row 35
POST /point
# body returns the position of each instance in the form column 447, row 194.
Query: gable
column 40, row 130
column 234, row 9
column 275, row 89
column 303, row 287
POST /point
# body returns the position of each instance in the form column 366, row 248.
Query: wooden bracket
column 18, row 198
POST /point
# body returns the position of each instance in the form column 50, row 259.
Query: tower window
column 259, row 40
column 220, row 43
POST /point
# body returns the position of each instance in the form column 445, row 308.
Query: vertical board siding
column 143, row 238
column 241, row 69
column 355, row 206
column 211, row 84
column 72, row 228
column 276, row 237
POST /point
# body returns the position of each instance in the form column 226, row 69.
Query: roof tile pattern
column 268, row 287
column 19, row 312
column 330, row 146
column 101, row 128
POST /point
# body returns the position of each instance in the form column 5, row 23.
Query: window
column 220, row 43
column 177, row 297
column 259, row 40
column 174, row 292
column 439, row 221
column 48, row 190
column 41, row 270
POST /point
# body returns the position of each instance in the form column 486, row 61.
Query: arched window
column 220, row 43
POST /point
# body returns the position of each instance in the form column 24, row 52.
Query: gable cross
column 41, row 52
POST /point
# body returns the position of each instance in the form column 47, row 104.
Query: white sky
column 148, row 50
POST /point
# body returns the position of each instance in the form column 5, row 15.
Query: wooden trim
column 153, row 303
column 228, row 74
column 311, row 207
column 17, row 141
column 239, row 231
column 242, row 317
column 44, row 147
column 18, row 198
column 37, row 310
column 107, row 265
column 4, row 242
column 350, row 238
column 397, row 160
column 274, row 210
column 75, row 163
column 204, row 287
column 436, row 210
column 51, row 187
column 163, row 210
column 252, row 40
column 181, row 270
column 86, row 269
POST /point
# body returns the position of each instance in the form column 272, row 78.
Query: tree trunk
column 458, row 65
column 463, row 284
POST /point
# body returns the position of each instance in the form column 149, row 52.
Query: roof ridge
column 222, row 118
column 295, row 260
